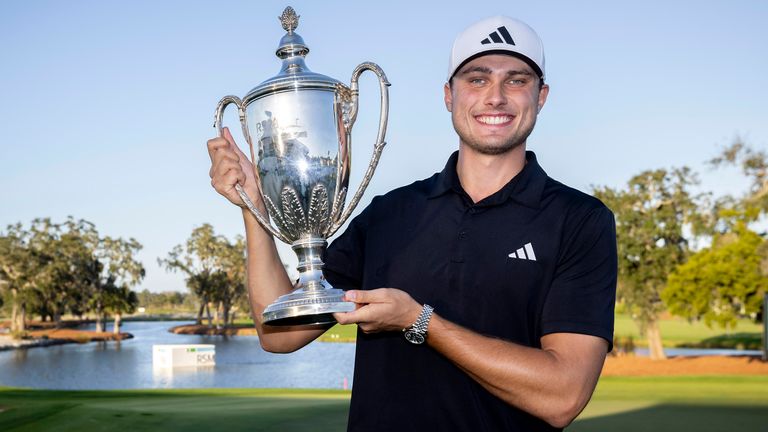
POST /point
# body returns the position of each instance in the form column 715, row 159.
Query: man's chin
column 494, row 149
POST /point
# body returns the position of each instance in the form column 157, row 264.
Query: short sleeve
column 345, row 257
column 582, row 296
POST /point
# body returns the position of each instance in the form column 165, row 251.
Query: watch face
column 414, row 337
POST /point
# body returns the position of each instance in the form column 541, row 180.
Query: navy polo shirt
column 536, row 257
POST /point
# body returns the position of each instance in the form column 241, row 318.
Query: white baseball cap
column 497, row 35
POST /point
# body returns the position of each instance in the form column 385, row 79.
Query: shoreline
column 244, row 330
column 46, row 338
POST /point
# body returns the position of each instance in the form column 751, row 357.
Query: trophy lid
column 294, row 73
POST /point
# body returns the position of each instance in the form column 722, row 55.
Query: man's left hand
column 378, row 310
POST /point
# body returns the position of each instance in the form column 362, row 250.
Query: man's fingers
column 342, row 318
column 240, row 177
column 356, row 316
column 232, row 145
column 368, row 296
column 227, row 135
column 224, row 142
column 227, row 174
column 230, row 178
column 222, row 164
column 215, row 144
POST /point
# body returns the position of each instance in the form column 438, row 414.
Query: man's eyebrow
column 519, row 72
column 486, row 70
column 481, row 69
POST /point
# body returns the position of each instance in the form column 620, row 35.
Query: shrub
column 20, row 335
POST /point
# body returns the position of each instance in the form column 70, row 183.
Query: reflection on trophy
column 298, row 125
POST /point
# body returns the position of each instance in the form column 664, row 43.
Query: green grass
column 337, row 333
column 626, row 404
column 677, row 332
column 675, row 404
column 340, row 333
column 173, row 410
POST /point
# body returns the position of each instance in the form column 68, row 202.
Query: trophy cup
column 298, row 126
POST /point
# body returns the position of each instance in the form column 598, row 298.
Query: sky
column 106, row 106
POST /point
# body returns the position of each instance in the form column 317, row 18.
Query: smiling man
column 485, row 293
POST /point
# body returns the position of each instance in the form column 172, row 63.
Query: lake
column 240, row 363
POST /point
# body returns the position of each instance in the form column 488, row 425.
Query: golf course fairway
column 626, row 404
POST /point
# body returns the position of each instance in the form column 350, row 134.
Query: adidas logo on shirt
column 525, row 253
column 501, row 35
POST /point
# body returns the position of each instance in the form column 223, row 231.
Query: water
column 240, row 363
column 693, row 352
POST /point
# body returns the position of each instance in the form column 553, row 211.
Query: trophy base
column 307, row 308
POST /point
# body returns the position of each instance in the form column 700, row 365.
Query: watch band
column 417, row 332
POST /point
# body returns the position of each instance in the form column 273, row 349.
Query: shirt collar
column 525, row 188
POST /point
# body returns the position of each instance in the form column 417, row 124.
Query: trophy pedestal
column 306, row 307
column 314, row 301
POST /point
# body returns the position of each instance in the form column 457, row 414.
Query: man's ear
column 448, row 97
column 543, row 93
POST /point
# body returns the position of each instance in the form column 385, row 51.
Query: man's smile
column 494, row 119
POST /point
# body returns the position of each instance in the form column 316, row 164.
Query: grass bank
column 338, row 333
column 661, row 404
column 674, row 404
column 677, row 332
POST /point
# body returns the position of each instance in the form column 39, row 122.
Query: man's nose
column 496, row 95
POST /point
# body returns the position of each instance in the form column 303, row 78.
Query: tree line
column 214, row 271
column 165, row 300
column 50, row 270
column 687, row 252
column 680, row 251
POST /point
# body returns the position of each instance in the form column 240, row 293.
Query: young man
column 504, row 278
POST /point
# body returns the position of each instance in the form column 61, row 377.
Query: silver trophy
column 298, row 126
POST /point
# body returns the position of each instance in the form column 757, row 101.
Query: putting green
column 627, row 404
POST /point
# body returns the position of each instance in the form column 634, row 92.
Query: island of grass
column 40, row 334
column 337, row 333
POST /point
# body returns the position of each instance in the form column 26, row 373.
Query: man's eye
column 518, row 82
column 477, row 81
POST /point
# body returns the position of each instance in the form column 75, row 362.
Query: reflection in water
column 164, row 377
column 20, row 355
column 240, row 362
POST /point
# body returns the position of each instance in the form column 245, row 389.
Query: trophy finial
column 289, row 19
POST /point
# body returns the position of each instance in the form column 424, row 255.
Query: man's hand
column 383, row 309
column 230, row 166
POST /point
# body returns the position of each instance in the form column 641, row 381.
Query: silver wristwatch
column 417, row 333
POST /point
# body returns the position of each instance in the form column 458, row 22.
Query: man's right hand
column 230, row 166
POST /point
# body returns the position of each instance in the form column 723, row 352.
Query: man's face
column 494, row 100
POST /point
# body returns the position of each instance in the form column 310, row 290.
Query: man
column 504, row 278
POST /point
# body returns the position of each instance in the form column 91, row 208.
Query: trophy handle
column 378, row 147
column 218, row 120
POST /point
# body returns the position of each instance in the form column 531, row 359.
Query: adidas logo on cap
column 497, row 34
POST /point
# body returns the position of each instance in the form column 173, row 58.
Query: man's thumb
column 228, row 136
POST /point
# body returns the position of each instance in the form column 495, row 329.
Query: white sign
column 183, row 355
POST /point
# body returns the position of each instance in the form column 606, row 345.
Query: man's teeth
column 494, row 120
